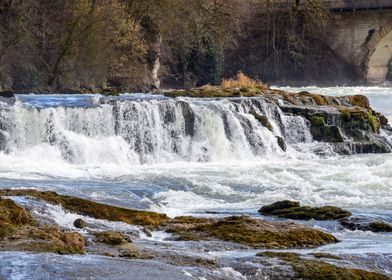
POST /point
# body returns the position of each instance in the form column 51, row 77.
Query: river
column 138, row 151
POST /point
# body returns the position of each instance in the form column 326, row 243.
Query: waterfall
column 150, row 130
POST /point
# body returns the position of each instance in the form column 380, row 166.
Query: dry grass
column 241, row 81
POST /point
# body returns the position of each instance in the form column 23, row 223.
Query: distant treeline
column 95, row 45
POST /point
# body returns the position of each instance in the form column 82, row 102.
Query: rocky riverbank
column 22, row 229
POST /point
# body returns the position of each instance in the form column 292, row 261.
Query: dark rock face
column 366, row 225
column 284, row 204
column 189, row 118
column 292, row 210
column 282, row 144
column 7, row 94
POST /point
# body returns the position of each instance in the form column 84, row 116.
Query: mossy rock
column 359, row 101
column 79, row 223
column 251, row 232
column 263, row 120
column 242, row 230
column 325, row 256
column 317, row 121
column 279, row 205
column 346, row 116
column 111, row 238
column 327, row 133
column 216, row 92
column 309, row 270
column 93, row 209
column 366, row 225
column 43, row 239
column 293, row 210
column 12, row 214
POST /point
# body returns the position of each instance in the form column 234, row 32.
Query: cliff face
column 347, row 124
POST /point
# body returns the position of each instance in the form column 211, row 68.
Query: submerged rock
column 365, row 224
column 292, row 210
column 310, row 269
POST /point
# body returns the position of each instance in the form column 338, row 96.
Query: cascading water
column 126, row 131
column 184, row 156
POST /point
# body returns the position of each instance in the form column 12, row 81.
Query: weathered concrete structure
column 360, row 32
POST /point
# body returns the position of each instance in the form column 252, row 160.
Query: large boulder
column 292, row 210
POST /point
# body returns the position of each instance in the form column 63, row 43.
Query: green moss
column 317, row 121
column 373, row 122
column 93, row 209
column 251, row 232
column 13, row 215
column 346, row 115
column 310, row 270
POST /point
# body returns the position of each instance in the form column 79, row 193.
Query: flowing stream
column 202, row 157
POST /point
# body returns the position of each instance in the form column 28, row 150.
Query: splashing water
column 187, row 156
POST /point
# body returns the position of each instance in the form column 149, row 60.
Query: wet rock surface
column 162, row 257
column 366, row 224
column 293, row 210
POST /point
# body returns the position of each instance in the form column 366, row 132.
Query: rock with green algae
column 79, row 223
column 263, row 120
column 92, row 209
column 19, row 231
column 309, row 269
column 111, row 238
column 12, row 214
column 248, row 231
column 242, row 230
column 292, row 210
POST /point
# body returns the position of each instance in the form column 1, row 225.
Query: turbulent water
column 193, row 156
